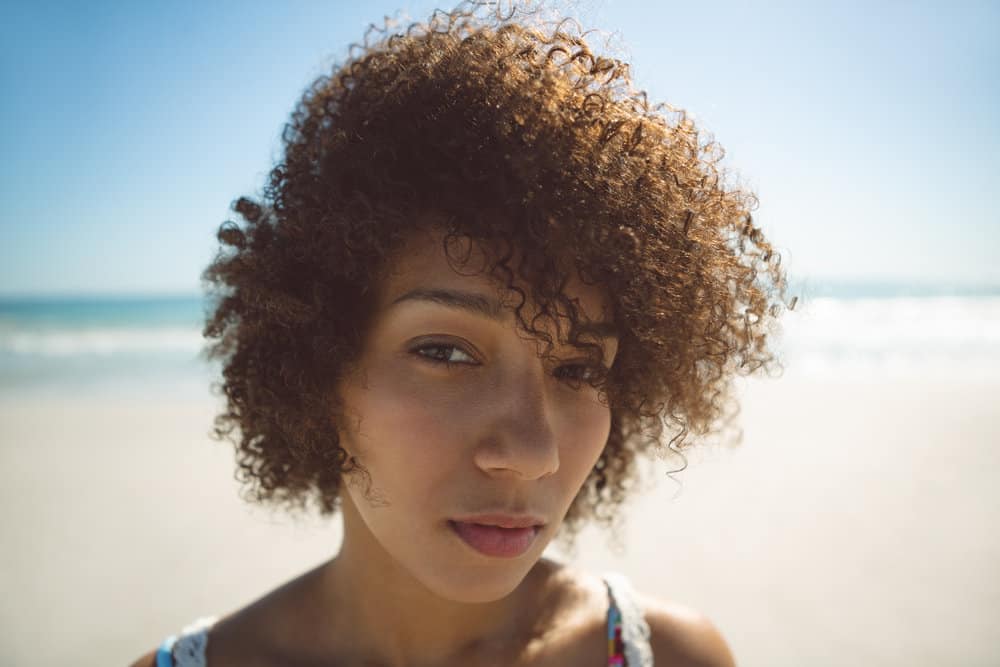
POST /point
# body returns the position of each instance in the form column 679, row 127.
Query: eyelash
column 441, row 346
column 446, row 346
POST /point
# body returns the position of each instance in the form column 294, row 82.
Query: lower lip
column 495, row 541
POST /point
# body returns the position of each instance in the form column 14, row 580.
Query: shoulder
column 679, row 635
column 220, row 639
column 265, row 627
column 684, row 637
column 148, row 660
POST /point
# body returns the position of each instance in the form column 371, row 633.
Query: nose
column 520, row 441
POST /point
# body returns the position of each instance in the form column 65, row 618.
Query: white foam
column 98, row 341
column 895, row 335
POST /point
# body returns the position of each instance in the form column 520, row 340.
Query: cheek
column 587, row 429
column 407, row 433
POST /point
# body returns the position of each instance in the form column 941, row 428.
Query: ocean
column 103, row 344
column 154, row 344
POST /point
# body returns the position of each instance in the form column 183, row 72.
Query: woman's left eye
column 578, row 372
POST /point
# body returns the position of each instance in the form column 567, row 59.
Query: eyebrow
column 490, row 308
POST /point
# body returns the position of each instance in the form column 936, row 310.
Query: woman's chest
column 578, row 646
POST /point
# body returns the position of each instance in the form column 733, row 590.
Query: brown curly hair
column 513, row 133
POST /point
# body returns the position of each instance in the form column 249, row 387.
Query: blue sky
column 871, row 134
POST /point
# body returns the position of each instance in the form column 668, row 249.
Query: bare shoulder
column 684, row 637
column 679, row 635
column 243, row 636
column 148, row 660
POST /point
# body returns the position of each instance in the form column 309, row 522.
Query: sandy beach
column 855, row 524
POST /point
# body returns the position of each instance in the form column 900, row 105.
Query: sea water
column 150, row 345
column 153, row 345
column 893, row 330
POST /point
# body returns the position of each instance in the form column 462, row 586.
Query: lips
column 496, row 541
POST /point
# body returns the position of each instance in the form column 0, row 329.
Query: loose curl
column 514, row 134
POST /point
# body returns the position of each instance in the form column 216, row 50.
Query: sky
column 870, row 132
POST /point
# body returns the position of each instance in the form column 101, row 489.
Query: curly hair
column 518, row 136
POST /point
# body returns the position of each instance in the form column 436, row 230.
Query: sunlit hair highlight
column 507, row 129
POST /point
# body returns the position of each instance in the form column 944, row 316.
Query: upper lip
column 503, row 520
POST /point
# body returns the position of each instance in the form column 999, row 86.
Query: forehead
column 423, row 264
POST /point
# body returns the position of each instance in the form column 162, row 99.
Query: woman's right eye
column 442, row 353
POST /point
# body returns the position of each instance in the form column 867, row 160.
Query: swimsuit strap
column 628, row 631
column 188, row 649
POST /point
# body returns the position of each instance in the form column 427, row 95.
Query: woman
column 484, row 279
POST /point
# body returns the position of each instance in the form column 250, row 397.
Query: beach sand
column 857, row 523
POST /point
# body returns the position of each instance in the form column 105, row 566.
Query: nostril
column 522, row 459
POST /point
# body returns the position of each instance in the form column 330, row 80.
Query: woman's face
column 496, row 430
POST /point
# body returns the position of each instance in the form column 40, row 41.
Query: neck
column 388, row 617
